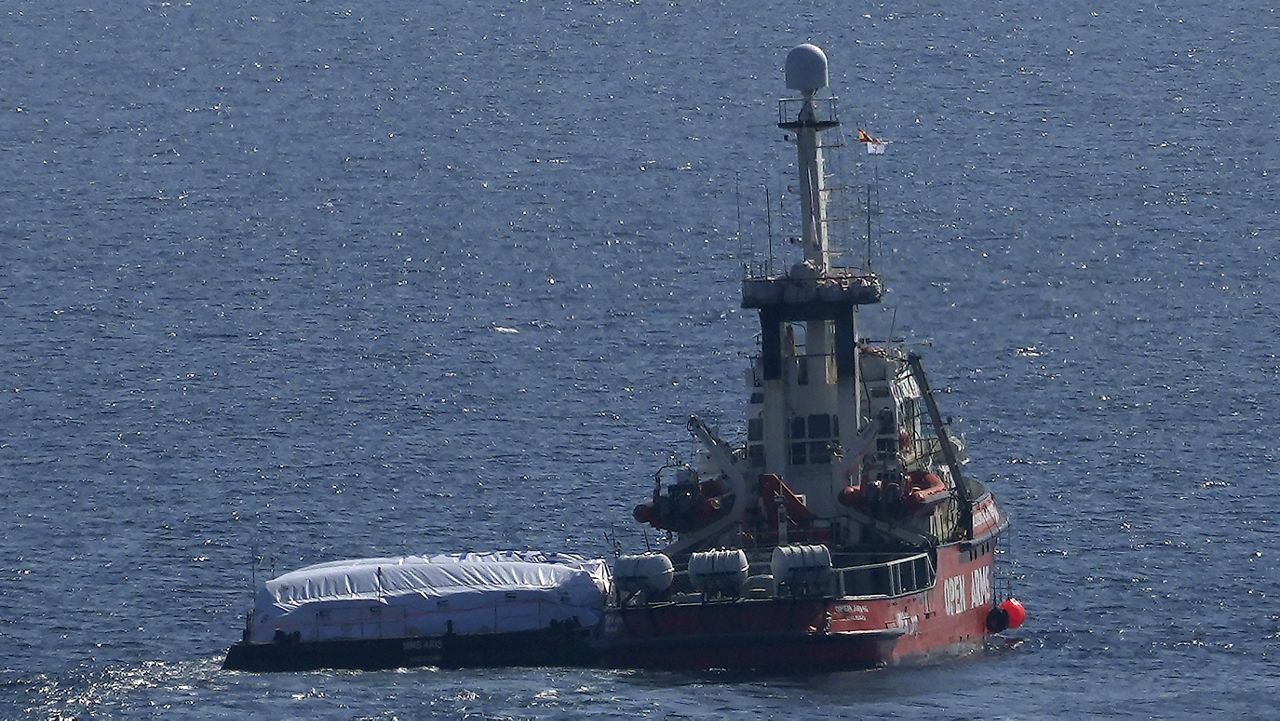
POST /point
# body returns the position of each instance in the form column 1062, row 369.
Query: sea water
column 305, row 281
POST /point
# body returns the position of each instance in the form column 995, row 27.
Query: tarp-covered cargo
column 415, row 596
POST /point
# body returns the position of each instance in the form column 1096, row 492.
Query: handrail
column 888, row 578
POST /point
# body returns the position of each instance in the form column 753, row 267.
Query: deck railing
column 883, row 579
column 890, row 578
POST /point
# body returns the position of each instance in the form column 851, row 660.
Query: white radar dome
column 806, row 68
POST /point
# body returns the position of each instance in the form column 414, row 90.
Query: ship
column 844, row 532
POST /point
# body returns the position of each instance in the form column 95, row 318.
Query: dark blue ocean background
column 341, row 279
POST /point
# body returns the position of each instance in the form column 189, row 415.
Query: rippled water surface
column 333, row 280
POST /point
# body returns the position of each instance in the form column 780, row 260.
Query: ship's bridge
column 807, row 293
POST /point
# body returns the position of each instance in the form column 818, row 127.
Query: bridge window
column 819, row 452
column 797, row 427
column 798, row 455
column 820, row 426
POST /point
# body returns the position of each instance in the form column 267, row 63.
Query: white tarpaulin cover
column 431, row 595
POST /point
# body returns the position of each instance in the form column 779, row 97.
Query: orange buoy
column 1008, row 614
column 1017, row 613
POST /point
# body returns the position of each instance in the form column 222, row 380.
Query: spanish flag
column 875, row 146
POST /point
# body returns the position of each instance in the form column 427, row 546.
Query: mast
column 806, row 71
column 810, row 384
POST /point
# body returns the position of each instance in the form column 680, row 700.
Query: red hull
column 784, row 634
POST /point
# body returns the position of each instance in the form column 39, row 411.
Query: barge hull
column 544, row 647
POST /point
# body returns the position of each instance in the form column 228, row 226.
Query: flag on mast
column 875, row 146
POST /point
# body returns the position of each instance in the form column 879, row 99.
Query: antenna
column 737, row 199
column 611, row 539
column 768, row 204
column 879, row 223
column 868, row 226
column 254, row 559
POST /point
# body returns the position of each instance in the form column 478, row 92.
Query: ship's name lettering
column 908, row 623
column 953, row 596
column 980, row 591
column 956, row 599
column 848, row 608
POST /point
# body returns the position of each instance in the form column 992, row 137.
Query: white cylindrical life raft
column 650, row 573
column 802, row 570
column 721, row 572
